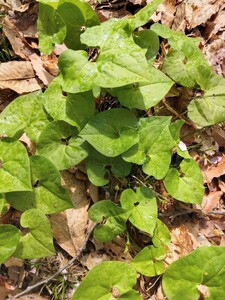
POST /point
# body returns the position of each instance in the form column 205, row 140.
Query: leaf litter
column 190, row 226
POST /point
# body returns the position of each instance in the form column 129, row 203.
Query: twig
column 173, row 111
column 45, row 281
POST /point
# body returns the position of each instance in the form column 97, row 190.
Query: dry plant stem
column 173, row 111
column 45, row 281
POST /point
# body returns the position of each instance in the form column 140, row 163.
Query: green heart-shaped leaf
column 201, row 270
column 38, row 242
column 48, row 195
column 59, row 144
column 107, row 281
column 14, row 167
column 9, row 238
column 111, row 132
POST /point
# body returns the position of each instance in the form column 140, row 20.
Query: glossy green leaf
column 99, row 167
column 75, row 109
column 209, row 109
column 9, row 238
column 59, row 143
column 51, row 28
column 114, row 218
column 107, row 281
column 149, row 261
column 142, row 207
column 47, row 195
column 161, row 236
column 203, row 268
column 154, row 149
column 111, row 132
column 38, row 242
column 147, row 94
column 26, row 114
column 185, row 184
column 14, row 167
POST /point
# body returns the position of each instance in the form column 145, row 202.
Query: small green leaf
column 149, row 261
column 185, row 184
column 107, row 281
column 111, row 132
column 142, row 207
column 161, row 235
column 9, row 238
column 99, row 167
column 25, row 113
column 4, row 207
column 14, row 167
column 51, row 28
column 59, row 144
column 48, row 195
column 147, row 94
column 154, row 149
column 114, row 218
column 202, row 268
column 38, row 242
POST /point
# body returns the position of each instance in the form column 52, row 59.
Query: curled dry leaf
column 214, row 171
column 69, row 227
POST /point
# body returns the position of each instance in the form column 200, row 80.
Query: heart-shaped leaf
column 25, row 113
column 149, row 261
column 9, row 238
column 200, row 271
column 114, row 218
column 161, row 236
column 14, row 167
column 111, row 132
column 142, row 207
column 99, row 167
column 107, row 281
column 59, row 144
column 185, row 184
column 48, row 195
column 38, row 242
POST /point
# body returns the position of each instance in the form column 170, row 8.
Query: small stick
column 45, row 281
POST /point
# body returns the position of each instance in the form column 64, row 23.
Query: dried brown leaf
column 211, row 201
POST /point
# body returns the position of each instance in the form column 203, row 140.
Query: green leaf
column 154, row 149
column 161, row 235
column 111, row 132
column 147, row 94
column 75, row 109
column 26, row 114
column 142, row 207
column 38, row 242
column 99, row 167
column 107, row 281
column 48, row 195
column 114, row 218
column 9, row 238
column 149, row 261
column 14, row 167
column 209, row 109
column 4, row 207
column 201, row 268
column 51, row 28
column 59, row 144
column 185, row 184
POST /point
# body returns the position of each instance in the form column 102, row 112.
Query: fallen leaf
column 211, row 201
column 214, row 171
column 29, row 297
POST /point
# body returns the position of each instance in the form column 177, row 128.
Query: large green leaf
column 48, row 195
column 111, row 132
column 142, row 207
column 14, row 167
column 59, row 144
column 209, row 109
column 25, row 113
column 99, row 167
column 149, row 261
column 114, row 218
column 154, row 149
column 38, row 242
column 75, row 109
column 185, row 184
column 201, row 270
column 147, row 94
column 9, row 238
column 107, row 281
